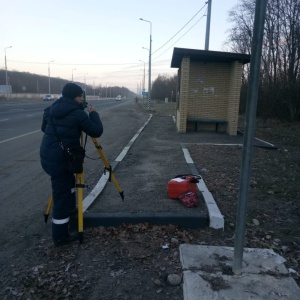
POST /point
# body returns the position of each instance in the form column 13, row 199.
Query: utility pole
column 49, row 62
column 6, row 77
column 150, row 51
column 208, row 24
column 72, row 73
column 143, row 80
column 253, row 85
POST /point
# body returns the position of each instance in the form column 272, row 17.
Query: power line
column 180, row 29
column 181, row 37
column 71, row 64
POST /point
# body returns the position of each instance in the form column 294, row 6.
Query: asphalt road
column 25, row 188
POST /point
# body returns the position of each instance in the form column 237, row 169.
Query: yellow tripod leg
column 108, row 167
column 80, row 186
column 48, row 208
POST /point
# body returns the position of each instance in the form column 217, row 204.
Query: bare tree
column 25, row 82
column 280, row 82
column 163, row 87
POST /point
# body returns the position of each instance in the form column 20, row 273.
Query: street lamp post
column 72, row 73
column 149, row 79
column 49, row 74
column 148, row 69
column 143, row 78
column 85, row 81
column 6, row 78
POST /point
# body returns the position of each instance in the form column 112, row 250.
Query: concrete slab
column 207, row 274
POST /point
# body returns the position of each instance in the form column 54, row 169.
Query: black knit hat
column 72, row 90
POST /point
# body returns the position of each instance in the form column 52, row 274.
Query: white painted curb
column 216, row 219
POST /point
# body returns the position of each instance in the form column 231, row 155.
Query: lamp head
column 7, row 48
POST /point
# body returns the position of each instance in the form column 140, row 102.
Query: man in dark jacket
column 65, row 119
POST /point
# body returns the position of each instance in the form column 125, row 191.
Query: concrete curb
column 265, row 145
column 190, row 220
column 216, row 219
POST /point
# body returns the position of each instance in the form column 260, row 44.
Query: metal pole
column 72, row 73
column 148, row 73
column 85, row 81
column 208, row 24
column 256, row 50
column 143, row 78
column 6, row 77
column 144, row 83
column 49, row 74
column 150, row 51
column 5, row 67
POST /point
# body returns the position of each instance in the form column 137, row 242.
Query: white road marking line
column 125, row 150
column 19, row 136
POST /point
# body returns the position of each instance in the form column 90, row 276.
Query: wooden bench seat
column 198, row 121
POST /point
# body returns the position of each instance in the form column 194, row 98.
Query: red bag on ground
column 189, row 199
column 182, row 184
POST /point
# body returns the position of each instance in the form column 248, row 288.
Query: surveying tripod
column 80, row 186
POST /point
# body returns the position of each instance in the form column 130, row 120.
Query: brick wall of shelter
column 208, row 90
column 234, row 97
column 214, row 94
column 182, row 112
column 178, row 88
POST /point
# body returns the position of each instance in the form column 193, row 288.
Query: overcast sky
column 104, row 40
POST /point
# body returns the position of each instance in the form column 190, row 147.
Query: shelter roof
column 207, row 56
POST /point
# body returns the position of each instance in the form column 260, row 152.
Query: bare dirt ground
column 273, row 220
column 135, row 261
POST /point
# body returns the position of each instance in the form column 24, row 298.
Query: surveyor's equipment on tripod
column 80, row 186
